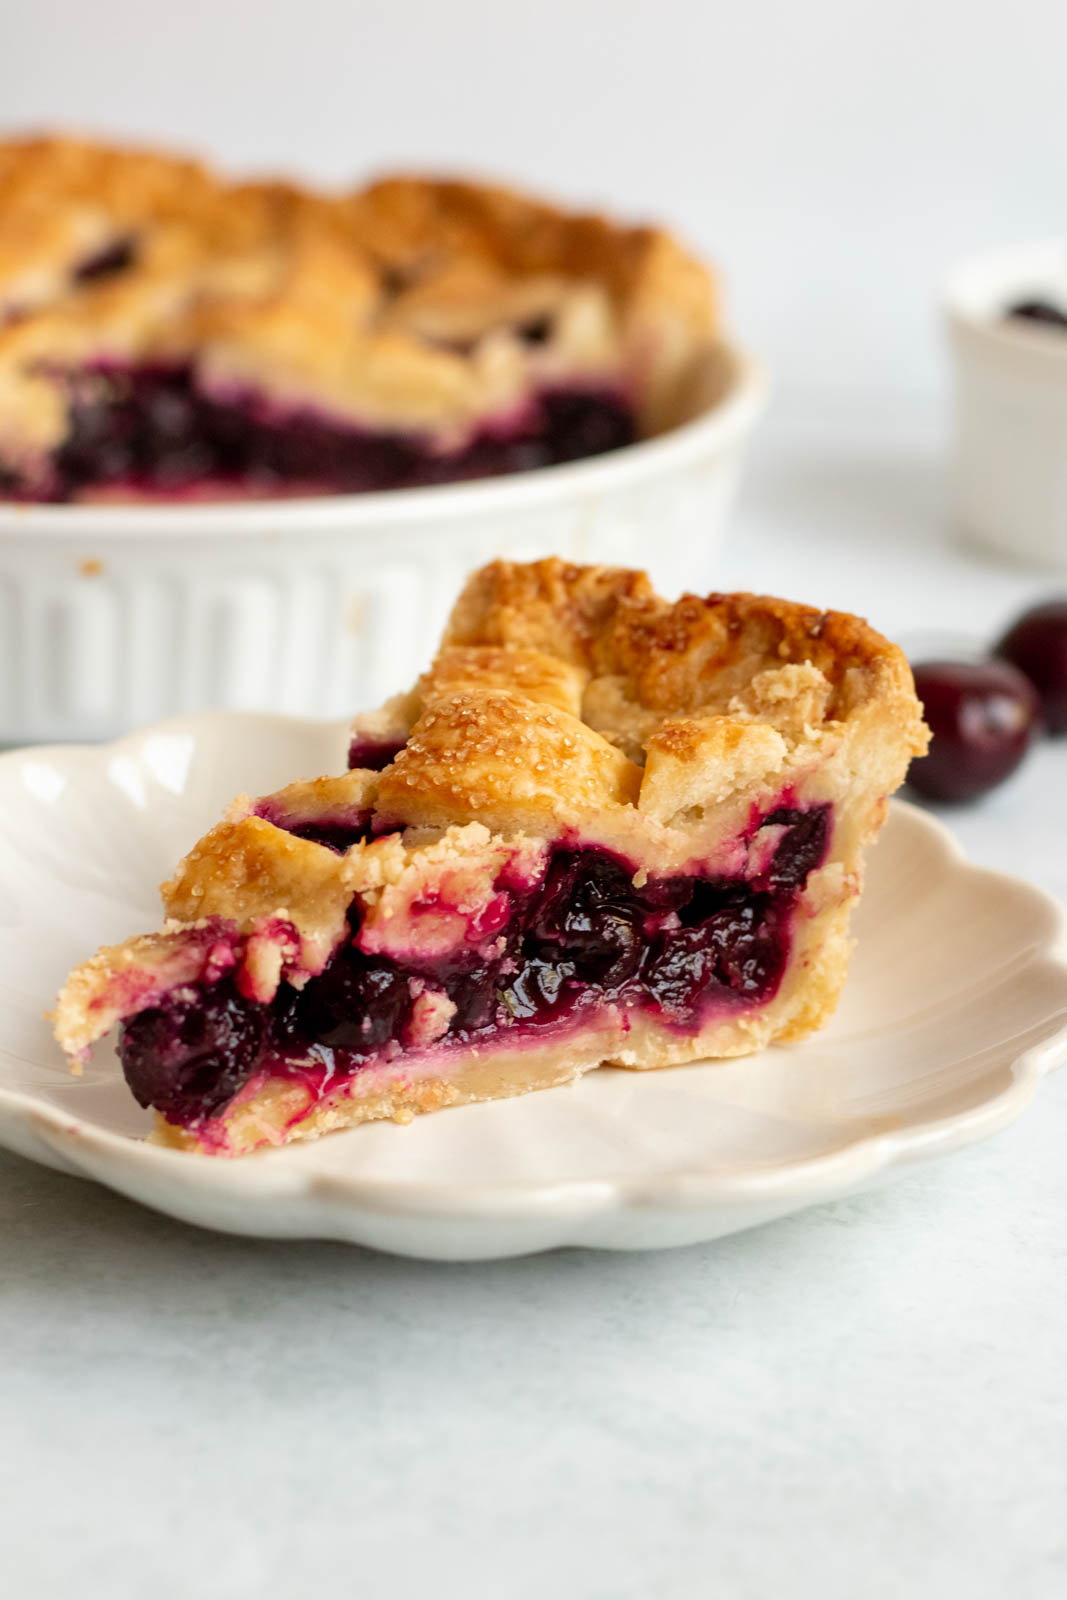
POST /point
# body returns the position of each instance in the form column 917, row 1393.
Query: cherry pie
column 166, row 335
column 602, row 829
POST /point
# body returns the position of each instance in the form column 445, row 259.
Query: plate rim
column 44, row 1132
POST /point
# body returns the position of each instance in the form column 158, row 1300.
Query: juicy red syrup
column 152, row 430
column 679, row 948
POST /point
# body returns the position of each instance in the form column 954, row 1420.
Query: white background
column 834, row 156
column 865, row 1402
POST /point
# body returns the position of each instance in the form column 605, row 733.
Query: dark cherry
column 749, row 945
column 737, row 951
column 575, row 428
column 336, row 836
column 108, row 262
column 189, row 1057
column 373, row 755
column 1039, row 311
column 588, row 911
column 680, row 973
column 982, row 717
column 475, row 997
column 536, row 330
column 802, row 849
column 355, row 1005
column 540, row 989
column 1036, row 643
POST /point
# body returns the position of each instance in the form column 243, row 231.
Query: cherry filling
column 337, row 836
column 338, row 832
column 678, row 948
column 373, row 755
column 194, row 1054
column 153, row 431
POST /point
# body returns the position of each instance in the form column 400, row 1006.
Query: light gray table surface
column 867, row 1400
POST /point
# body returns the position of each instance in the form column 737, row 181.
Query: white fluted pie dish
column 116, row 615
column 955, row 1008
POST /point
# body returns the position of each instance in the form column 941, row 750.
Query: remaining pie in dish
column 602, row 829
column 164, row 334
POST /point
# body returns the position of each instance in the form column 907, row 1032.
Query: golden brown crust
column 660, row 674
column 405, row 217
column 400, row 305
column 568, row 704
column 533, row 674
column 268, row 873
column 551, row 606
column 121, row 979
column 496, row 757
column 343, row 800
column 673, row 657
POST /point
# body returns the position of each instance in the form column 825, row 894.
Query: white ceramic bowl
column 111, row 616
column 1009, row 476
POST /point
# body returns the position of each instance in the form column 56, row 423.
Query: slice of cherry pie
column 164, row 334
column 601, row 829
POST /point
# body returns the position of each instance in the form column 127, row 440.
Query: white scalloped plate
column 956, row 1006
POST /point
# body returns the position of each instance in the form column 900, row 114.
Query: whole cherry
column 982, row 717
column 1039, row 311
column 1036, row 643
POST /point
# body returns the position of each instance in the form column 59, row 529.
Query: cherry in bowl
column 1036, row 643
column 982, row 716
column 1043, row 311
